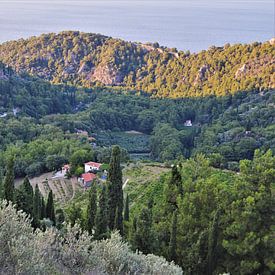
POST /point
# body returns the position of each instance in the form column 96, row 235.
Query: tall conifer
column 9, row 181
column 50, row 213
column 101, row 222
column 115, row 193
column 91, row 209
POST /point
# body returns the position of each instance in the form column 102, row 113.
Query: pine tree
column 50, row 208
column 101, row 223
column 9, row 181
column 172, row 254
column 115, row 193
column 36, row 206
column 212, row 243
column 91, row 209
column 126, row 209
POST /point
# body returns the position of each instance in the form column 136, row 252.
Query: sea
column 192, row 25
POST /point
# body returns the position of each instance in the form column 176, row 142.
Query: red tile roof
column 87, row 177
column 94, row 164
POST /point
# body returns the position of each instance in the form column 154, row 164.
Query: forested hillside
column 42, row 133
column 91, row 59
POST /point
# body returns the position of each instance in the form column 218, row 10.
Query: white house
column 188, row 123
column 92, row 166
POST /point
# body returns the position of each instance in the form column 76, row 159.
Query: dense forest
column 85, row 59
column 227, row 128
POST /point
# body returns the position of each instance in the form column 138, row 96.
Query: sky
column 186, row 24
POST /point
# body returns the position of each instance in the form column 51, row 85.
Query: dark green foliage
column 176, row 178
column 212, row 250
column 36, row 206
column 43, row 213
column 75, row 215
column 50, row 212
column 143, row 237
column 8, row 185
column 115, row 193
column 126, row 209
column 91, row 209
column 101, row 221
column 60, row 218
column 24, row 197
column 224, row 219
column 172, row 253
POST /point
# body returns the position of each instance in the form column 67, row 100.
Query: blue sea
column 185, row 24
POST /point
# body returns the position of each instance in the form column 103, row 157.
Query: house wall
column 89, row 168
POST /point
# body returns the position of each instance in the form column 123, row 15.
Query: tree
column 101, row 222
column 9, row 181
column 75, row 215
column 172, row 254
column 143, row 236
column 115, row 193
column 212, row 243
column 24, row 197
column 126, row 209
column 36, row 206
column 91, row 209
column 50, row 213
column 60, row 218
column 176, row 178
column 43, row 209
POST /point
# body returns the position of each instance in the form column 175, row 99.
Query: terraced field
column 63, row 189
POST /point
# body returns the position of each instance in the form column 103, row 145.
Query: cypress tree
column 91, row 209
column 50, row 208
column 144, row 238
column 126, row 209
column 43, row 209
column 24, row 197
column 9, row 181
column 28, row 196
column 176, row 178
column 36, row 206
column 115, row 193
column 172, row 254
column 101, row 223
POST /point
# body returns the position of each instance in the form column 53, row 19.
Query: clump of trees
column 210, row 221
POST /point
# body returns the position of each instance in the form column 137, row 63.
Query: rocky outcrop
column 201, row 76
column 241, row 71
column 106, row 75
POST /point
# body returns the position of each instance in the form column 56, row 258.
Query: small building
column 92, row 166
column 86, row 179
column 82, row 133
column 65, row 169
column 188, row 123
column 3, row 115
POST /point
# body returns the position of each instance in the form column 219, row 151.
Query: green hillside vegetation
column 223, row 220
column 229, row 128
column 85, row 59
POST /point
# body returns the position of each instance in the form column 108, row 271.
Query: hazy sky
column 186, row 24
